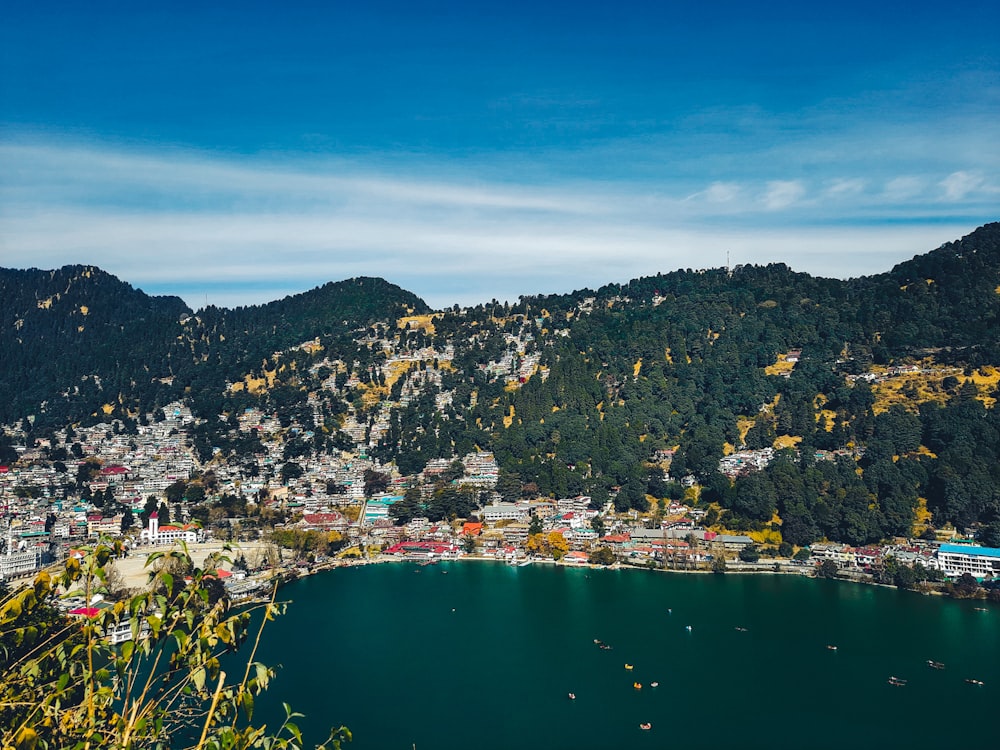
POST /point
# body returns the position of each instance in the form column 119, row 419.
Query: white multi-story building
column 982, row 562
column 503, row 512
column 156, row 534
column 20, row 563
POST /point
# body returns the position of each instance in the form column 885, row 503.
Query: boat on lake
column 637, row 685
column 977, row 683
column 628, row 667
column 646, row 726
column 934, row 664
column 571, row 696
column 897, row 681
column 654, row 684
column 832, row 648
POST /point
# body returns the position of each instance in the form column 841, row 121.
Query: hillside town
column 149, row 489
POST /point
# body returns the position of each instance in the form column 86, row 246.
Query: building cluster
column 745, row 462
column 105, row 474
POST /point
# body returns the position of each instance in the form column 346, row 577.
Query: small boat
column 598, row 642
column 654, row 684
column 628, row 667
column 895, row 682
column 741, row 630
column 605, row 647
column 687, row 628
column 637, row 685
column 832, row 648
column 978, row 683
column 934, row 664
column 572, row 696
column 646, row 726
column 981, row 609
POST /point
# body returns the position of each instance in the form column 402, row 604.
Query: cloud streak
column 250, row 230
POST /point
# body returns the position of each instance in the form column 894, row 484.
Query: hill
column 633, row 391
column 78, row 343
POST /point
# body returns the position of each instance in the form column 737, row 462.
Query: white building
column 20, row 563
column 156, row 534
column 982, row 562
column 503, row 512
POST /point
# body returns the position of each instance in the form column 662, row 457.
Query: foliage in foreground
column 64, row 686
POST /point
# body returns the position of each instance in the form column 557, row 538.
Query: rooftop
column 969, row 549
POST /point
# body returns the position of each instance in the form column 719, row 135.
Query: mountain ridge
column 595, row 393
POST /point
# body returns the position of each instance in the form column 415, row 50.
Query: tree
column 750, row 554
column 535, row 525
column 989, row 535
column 536, row 544
column 468, row 544
column 290, row 470
column 597, row 524
column 65, row 685
column 602, row 556
column 905, row 577
column 455, row 470
column 194, row 493
column 408, row 508
column 827, row 569
column 175, row 492
column 148, row 509
column 558, row 546
column 375, row 482
column 966, row 587
column 128, row 520
column 509, row 485
column 163, row 514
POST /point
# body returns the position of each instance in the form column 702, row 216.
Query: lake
column 483, row 655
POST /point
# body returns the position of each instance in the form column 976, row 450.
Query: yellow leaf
column 27, row 739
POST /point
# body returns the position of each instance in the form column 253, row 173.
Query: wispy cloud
column 846, row 186
column 253, row 229
column 903, row 188
column 957, row 185
column 782, row 193
column 721, row 192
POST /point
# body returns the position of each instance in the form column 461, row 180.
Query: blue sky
column 468, row 151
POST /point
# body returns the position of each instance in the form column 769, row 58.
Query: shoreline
column 806, row 572
column 136, row 573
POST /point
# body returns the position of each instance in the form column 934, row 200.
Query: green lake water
column 482, row 655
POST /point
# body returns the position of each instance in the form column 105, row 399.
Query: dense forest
column 77, row 338
column 629, row 391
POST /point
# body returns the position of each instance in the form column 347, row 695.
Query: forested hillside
column 876, row 395
column 79, row 344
